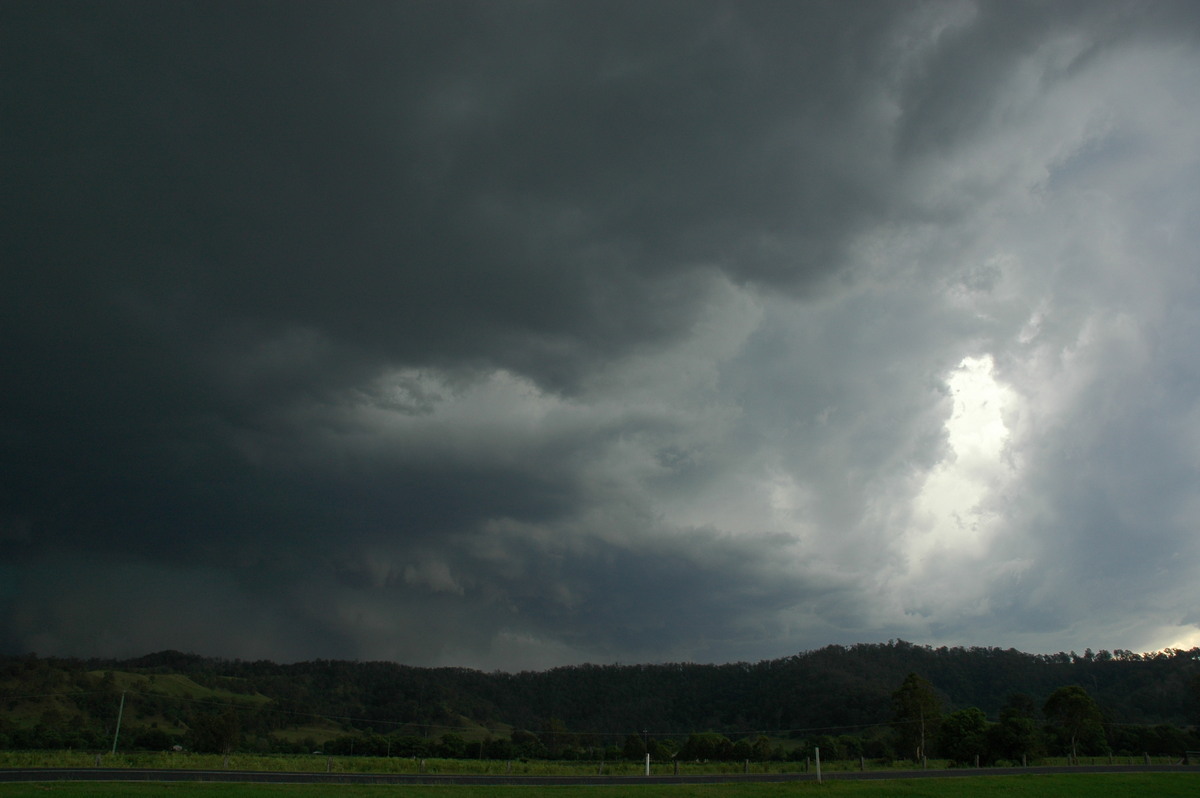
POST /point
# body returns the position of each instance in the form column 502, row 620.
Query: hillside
column 172, row 697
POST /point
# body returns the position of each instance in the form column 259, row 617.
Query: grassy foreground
column 488, row 767
column 1083, row 785
column 376, row 764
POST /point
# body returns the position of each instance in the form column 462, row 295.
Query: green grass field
column 176, row 685
column 1161, row 785
column 309, row 763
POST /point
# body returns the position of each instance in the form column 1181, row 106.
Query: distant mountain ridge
column 836, row 687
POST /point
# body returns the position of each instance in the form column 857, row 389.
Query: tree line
column 1069, row 722
column 852, row 701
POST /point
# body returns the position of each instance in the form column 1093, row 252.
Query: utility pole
column 120, row 713
column 922, row 736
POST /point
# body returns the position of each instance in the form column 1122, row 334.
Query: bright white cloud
column 952, row 521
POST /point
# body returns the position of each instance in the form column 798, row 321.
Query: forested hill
column 831, row 687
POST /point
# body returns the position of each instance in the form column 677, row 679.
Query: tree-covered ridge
column 832, row 691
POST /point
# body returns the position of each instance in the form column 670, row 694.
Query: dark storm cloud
column 426, row 183
column 222, row 207
column 515, row 333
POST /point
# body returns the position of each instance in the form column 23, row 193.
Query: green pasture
column 176, row 685
column 1161, row 785
column 309, row 763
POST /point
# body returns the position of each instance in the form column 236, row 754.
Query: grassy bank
column 1161, row 785
column 310, row 763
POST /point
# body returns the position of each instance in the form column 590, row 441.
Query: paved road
column 267, row 777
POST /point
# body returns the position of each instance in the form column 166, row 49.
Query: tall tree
column 1074, row 713
column 963, row 735
column 1194, row 684
column 1016, row 735
column 918, row 713
column 215, row 734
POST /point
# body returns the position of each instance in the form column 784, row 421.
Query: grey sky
column 511, row 334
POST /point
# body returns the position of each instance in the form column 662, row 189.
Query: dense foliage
column 859, row 700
